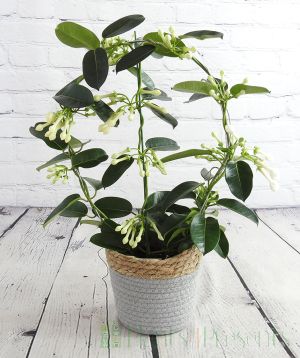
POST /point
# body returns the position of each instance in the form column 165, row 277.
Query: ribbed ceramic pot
column 155, row 296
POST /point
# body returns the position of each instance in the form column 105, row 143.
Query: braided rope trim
column 153, row 269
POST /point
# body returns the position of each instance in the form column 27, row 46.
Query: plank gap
column 12, row 225
column 291, row 246
column 153, row 342
column 47, row 298
column 262, row 312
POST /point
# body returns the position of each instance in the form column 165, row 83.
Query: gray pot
column 151, row 305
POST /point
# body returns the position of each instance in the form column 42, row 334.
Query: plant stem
column 220, row 172
column 141, row 147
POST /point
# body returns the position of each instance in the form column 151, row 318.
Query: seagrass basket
column 155, row 296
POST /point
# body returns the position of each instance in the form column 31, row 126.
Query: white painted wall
column 262, row 42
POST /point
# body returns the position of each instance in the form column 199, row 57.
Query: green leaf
column 95, row 67
column 181, row 191
column 197, row 229
column 114, row 207
column 236, row 89
column 223, row 245
column 200, row 87
column 195, row 97
column 165, row 117
column 161, row 144
column 67, row 202
column 212, row 234
column 59, row 158
column 108, row 226
column 57, row 143
column 114, row 172
column 162, row 97
column 75, row 35
column 178, row 209
column 202, row 35
column 122, row 25
column 239, row 178
column 155, row 200
column 76, row 143
column 104, row 112
column 89, row 158
column 147, row 81
column 109, row 240
column 134, row 57
column 96, row 184
column 239, row 208
column 185, row 154
column 75, row 210
column 74, row 96
column 205, row 233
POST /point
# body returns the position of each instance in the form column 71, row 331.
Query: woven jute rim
column 176, row 266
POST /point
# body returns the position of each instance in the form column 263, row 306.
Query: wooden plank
column 8, row 218
column 227, row 322
column 75, row 320
column 285, row 222
column 270, row 269
column 29, row 260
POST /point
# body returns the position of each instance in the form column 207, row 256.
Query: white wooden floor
column 56, row 298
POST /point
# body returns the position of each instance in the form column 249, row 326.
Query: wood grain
column 29, row 260
column 80, row 306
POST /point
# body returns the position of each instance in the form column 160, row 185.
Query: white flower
column 111, row 122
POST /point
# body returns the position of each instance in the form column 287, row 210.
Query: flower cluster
column 134, row 228
column 115, row 47
column 171, row 42
column 58, row 172
column 60, row 120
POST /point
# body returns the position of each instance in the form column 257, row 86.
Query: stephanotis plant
column 161, row 228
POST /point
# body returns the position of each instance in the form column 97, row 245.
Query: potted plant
column 153, row 253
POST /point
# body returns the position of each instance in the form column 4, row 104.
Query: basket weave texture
column 176, row 266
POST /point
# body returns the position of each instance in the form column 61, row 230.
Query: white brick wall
column 262, row 42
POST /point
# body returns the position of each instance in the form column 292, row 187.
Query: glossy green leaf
column 67, row 202
column 114, row 207
column 181, row 191
column 239, row 208
column 134, row 57
column 95, row 67
column 89, row 158
column 104, row 112
column 239, row 178
column 57, row 159
column 122, row 25
column 205, row 232
column 146, row 79
column 96, row 184
column 109, row 240
column 236, row 89
column 75, row 210
column 114, row 172
column 202, row 35
column 200, row 87
column 155, row 199
column 178, row 209
column 108, row 225
column 185, row 154
column 166, row 117
column 223, row 245
column 197, row 229
column 161, row 144
column 57, row 143
column 74, row 96
column 75, row 35
column 212, row 234
column 76, row 143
